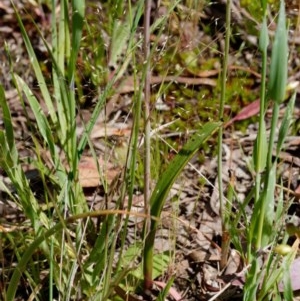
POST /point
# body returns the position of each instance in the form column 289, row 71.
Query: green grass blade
column 259, row 152
column 264, row 36
column 164, row 185
column 78, row 9
column 7, row 161
column 43, row 236
column 286, row 123
column 165, row 291
column 61, row 90
column 42, row 123
column 286, row 276
column 7, row 120
column 14, row 281
column 264, row 4
column 279, row 59
column 59, row 52
column 35, row 64
column 99, row 106
column 252, row 284
column 63, row 43
column 268, row 209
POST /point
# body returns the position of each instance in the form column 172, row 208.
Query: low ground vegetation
column 160, row 169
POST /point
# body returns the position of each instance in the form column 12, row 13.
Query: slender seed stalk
column 261, row 134
column 147, row 93
column 268, row 169
column 220, row 132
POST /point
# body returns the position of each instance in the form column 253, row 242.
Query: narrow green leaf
column 252, row 284
column 42, row 123
column 264, row 36
column 164, row 185
column 65, row 105
column 165, row 291
column 7, row 120
column 63, row 42
column 78, row 9
column 260, row 154
column 280, row 203
column 264, row 4
column 286, row 276
column 60, row 52
column 5, row 159
column 130, row 255
column 120, row 36
column 268, row 283
column 160, row 264
column 167, row 179
column 279, row 59
column 37, row 69
column 269, row 204
column 286, row 123
column 99, row 106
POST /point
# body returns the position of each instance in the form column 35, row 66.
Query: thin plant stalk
column 260, row 150
column 268, row 178
column 147, row 129
column 132, row 153
column 147, row 95
column 225, row 237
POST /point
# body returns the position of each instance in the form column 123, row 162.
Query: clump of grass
column 61, row 239
column 262, row 228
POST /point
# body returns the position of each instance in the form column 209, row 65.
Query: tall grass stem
column 147, row 94
column 220, row 132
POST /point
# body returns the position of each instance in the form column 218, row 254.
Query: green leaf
column 42, row 123
column 269, row 204
column 279, row 59
column 78, row 8
column 286, row 123
column 37, row 69
column 6, row 161
column 280, row 203
column 160, row 263
column 264, row 37
column 264, row 4
column 167, row 179
column 7, row 120
column 131, row 254
column 164, row 185
column 165, row 291
column 260, row 153
column 120, row 36
column 252, row 284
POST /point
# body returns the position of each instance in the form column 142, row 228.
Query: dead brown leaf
column 91, row 173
